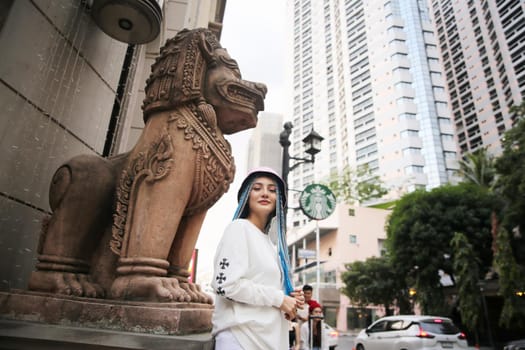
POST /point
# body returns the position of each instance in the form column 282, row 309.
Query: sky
column 253, row 34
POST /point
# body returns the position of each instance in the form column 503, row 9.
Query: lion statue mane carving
column 125, row 227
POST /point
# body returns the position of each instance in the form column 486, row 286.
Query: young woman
column 251, row 271
column 313, row 334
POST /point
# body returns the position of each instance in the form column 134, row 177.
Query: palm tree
column 478, row 168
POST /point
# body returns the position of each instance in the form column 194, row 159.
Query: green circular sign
column 317, row 201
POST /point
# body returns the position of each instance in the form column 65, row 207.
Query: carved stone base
column 130, row 316
column 23, row 335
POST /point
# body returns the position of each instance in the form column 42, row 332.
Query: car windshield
column 439, row 326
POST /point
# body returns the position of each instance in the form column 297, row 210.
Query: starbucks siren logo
column 317, row 201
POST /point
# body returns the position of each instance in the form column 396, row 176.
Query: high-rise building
column 481, row 44
column 405, row 87
column 367, row 76
column 264, row 148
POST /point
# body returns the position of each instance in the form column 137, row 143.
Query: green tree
column 374, row 281
column 511, row 280
column 510, row 167
column 421, row 227
column 478, row 168
column 509, row 259
column 361, row 185
column 466, row 271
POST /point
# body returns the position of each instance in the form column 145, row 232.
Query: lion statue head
column 193, row 67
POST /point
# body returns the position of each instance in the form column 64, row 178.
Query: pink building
column 349, row 234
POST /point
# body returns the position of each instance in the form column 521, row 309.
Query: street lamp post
column 313, row 146
column 481, row 285
column 312, row 143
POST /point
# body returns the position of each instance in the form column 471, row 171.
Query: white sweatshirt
column 247, row 281
column 305, row 337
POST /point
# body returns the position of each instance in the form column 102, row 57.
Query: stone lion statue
column 125, row 227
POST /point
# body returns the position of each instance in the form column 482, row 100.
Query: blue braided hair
column 284, row 259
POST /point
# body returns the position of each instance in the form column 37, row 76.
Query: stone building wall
column 59, row 79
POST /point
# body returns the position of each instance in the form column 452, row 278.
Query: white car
column 410, row 332
column 333, row 336
column 515, row 345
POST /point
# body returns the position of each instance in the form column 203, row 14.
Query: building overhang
column 307, row 232
column 307, row 266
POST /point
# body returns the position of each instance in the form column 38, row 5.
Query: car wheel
column 332, row 347
column 360, row 347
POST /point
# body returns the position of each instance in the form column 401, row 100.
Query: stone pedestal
column 103, row 314
column 23, row 335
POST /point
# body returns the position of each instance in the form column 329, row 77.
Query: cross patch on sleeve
column 224, row 263
column 221, row 277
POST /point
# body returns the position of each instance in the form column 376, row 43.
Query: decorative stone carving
column 125, row 227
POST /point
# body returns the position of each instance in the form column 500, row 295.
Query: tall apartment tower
column 366, row 75
column 482, row 46
column 264, row 148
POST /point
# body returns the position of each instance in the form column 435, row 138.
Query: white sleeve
column 303, row 313
column 324, row 337
column 231, row 265
column 305, row 345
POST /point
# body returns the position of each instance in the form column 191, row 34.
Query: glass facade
column 364, row 77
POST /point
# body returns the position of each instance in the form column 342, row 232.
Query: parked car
column 411, row 332
column 515, row 345
column 333, row 336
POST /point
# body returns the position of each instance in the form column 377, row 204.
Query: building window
column 407, row 116
column 381, row 246
column 447, row 138
column 414, row 169
column 353, row 239
column 409, row 133
column 404, row 99
column 450, row 155
column 330, row 277
column 411, row 151
column 351, row 212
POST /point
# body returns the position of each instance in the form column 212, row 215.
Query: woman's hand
column 289, row 307
column 299, row 296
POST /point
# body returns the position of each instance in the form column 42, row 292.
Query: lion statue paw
column 150, row 288
column 197, row 295
column 66, row 283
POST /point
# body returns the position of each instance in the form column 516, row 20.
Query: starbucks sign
column 317, row 201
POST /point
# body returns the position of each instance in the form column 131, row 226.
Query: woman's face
column 263, row 196
column 317, row 312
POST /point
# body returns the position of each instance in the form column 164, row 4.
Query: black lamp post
column 313, row 146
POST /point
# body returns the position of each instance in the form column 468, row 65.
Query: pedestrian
column 302, row 314
column 313, row 334
column 308, row 292
column 294, row 335
column 255, row 297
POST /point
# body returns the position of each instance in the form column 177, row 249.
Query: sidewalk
column 23, row 335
